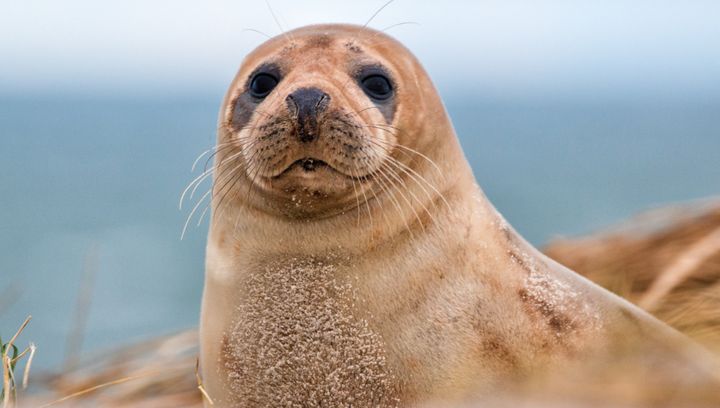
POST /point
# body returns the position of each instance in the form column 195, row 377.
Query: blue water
column 100, row 178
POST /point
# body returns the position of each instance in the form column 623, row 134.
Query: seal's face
column 310, row 123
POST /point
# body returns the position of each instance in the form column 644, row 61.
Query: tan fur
column 377, row 284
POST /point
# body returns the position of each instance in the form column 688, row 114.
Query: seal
column 352, row 259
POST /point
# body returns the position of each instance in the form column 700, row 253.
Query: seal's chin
column 311, row 181
column 308, row 188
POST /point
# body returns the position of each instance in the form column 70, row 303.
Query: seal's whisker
column 231, row 179
column 189, row 217
column 366, row 109
column 227, row 124
column 194, row 184
column 251, row 164
column 429, row 184
column 287, row 34
column 377, row 12
column 260, row 170
column 271, row 116
column 236, row 142
column 404, row 149
column 408, row 149
column 394, row 162
column 417, row 177
column 230, row 158
column 214, row 148
column 379, row 200
column 391, row 173
column 389, row 126
column 234, row 131
column 357, row 199
column 189, row 186
column 420, row 181
column 365, row 199
column 274, row 119
column 199, row 179
column 376, row 199
column 390, row 192
column 226, row 169
column 199, row 183
column 251, row 183
column 398, row 25
column 401, row 182
column 358, row 112
column 202, row 215
column 388, row 172
column 230, row 152
column 252, row 30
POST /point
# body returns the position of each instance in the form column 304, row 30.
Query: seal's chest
column 296, row 340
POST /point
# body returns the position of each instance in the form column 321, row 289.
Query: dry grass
column 667, row 260
column 10, row 357
column 159, row 373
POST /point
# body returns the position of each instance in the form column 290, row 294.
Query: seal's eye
column 377, row 87
column 262, row 84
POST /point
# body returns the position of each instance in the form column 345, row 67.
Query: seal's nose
column 307, row 104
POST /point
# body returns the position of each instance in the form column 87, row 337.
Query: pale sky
column 499, row 47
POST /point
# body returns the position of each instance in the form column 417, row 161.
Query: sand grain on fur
column 298, row 343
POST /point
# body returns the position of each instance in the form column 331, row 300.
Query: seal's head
column 321, row 119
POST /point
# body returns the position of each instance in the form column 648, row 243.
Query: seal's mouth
column 310, row 164
column 306, row 165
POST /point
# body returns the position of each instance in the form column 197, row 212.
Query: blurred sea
column 100, row 178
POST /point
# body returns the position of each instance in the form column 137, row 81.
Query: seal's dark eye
column 262, row 84
column 377, row 87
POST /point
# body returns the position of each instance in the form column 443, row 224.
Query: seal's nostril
column 307, row 104
column 292, row 106
column 309, row 100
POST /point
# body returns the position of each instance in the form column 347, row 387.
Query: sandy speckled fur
column 339, row 293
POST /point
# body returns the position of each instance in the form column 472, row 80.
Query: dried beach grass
column 157, row 373
column 10, row 356
column 667, row 261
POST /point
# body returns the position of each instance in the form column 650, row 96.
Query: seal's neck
column 402, row 208
column 393, row 219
